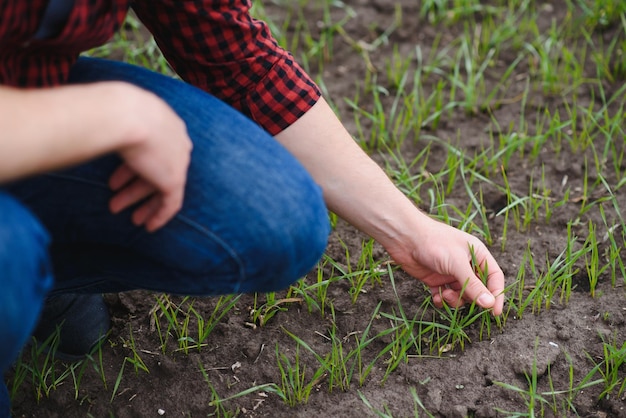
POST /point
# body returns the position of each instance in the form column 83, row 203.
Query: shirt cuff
column 282, row 96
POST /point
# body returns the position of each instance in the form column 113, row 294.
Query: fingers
column 464, row 285
column 446, row 289
column 495, row 282
column 121, row 176
column 487, row 297
column 132, row 193
column 162, row 209
column 456, row 298
column 158, row 207
column 448, row 295
column 152, row 214
column 474, row 289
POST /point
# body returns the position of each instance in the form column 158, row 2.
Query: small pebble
column 161, row 411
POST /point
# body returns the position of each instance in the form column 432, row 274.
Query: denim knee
column 26, row 276
column 288, row 245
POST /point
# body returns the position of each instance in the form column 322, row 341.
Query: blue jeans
column 253, row 219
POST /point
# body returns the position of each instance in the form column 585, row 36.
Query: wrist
column 123, row 106
column 402, row 228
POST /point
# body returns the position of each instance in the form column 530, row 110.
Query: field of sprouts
column 503, row 118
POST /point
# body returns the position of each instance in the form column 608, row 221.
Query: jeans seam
column 201, row 229
column 78, row 179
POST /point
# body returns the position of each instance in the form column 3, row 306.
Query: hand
column 155, row 165
column 443, row 261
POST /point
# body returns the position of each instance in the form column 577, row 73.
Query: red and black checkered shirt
column 213, row 44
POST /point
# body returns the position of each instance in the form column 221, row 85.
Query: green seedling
column 135, row 360
column 613, row 358
column 418, row 406
column 219, row 403
column 294, row 385
column 261, row 313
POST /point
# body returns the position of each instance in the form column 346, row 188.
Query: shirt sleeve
column 217, row 46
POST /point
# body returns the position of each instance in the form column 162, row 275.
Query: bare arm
column 357, row 189
column 45, row 129
column 41, row 129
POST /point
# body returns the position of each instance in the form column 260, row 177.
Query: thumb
column 473, row 288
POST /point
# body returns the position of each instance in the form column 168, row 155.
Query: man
column 116, row 178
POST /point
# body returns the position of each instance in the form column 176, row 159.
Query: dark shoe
column 83, row 320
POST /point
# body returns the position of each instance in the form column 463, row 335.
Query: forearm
column 45, row 129
column 354, row 186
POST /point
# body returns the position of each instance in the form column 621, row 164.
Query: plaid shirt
column 213, row 44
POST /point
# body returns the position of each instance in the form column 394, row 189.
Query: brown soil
column 461, row 382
